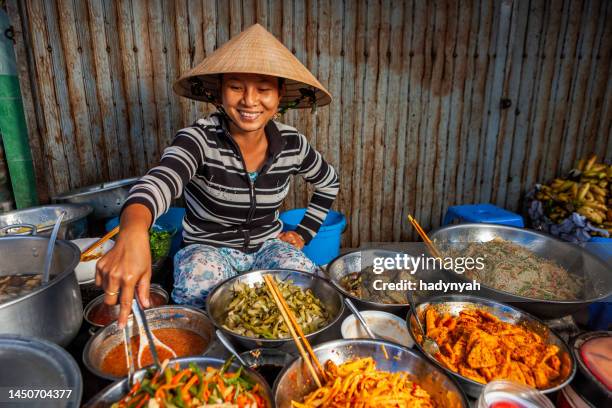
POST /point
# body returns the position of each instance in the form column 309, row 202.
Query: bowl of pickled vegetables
column 244, row 310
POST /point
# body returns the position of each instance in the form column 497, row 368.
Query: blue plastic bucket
column 325, row 246
column 174, row 218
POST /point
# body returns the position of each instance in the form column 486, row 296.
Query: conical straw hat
column 254, row 51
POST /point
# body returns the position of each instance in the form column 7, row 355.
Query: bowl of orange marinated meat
column 481, row 340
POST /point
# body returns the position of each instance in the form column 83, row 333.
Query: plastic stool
column 482, row 213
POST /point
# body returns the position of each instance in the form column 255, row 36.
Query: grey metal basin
column 73, row 226
column 575, row 259
column 222, row 295
column 454, row 304
column 106, row 199
column 294, row 382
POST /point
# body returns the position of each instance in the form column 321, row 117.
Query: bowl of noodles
column 358, row 373
column 481, row 340
column 536, row 272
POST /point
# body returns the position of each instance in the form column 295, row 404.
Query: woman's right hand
column 126, row 268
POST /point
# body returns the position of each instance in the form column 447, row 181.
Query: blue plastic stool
column 325, row 246
column 487, row 213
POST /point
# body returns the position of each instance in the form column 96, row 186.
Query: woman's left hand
column 293, row 238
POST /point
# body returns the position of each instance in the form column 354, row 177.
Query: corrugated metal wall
column 436, row 102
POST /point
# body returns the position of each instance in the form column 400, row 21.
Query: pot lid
column 28, row 363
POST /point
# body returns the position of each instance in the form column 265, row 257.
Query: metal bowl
column 222, row 295
column 177, row 317
column 294, row 382
column 116, row 391
column 106, row 199
column 453, row 304
column 575, row 259
column 358, row 260
column 29, row 363
column 74, row 224
column 114, row 310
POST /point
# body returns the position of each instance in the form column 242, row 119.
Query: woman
column 234, row 170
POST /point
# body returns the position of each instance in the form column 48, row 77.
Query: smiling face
column 250, row 100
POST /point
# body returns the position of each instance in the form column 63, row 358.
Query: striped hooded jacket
column 224, row 208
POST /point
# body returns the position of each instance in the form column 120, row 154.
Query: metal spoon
column 50, row 248
column 429, row 345
column 226, row 343
column 360, row 317
column 144, row 332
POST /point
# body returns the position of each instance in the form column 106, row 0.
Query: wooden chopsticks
column 294, row 327
column 424, row 236
column 99, row 242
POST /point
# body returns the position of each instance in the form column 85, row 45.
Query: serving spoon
column 51, row 248
column 145, row 332
column 429, row 345
column 226, row 343
column 363, row 322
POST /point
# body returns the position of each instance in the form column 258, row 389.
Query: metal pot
column 106, row 199
column 43, row 218
column 52, row 312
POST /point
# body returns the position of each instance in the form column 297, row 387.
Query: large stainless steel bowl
column 106, row 199
column 295, row 382
column 576, row 260
column 116, row 391
column 357, row 261
column 74, row 224
column 52, row 312
column 454, row 304
column 176, row 317
column 30, row 364
column 222, row 295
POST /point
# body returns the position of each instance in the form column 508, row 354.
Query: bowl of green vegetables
column 160, row 241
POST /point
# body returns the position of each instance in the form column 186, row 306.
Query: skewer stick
column 99, row 242
column 303, row 353
column 297, row 327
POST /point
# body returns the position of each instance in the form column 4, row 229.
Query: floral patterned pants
column 198, row 268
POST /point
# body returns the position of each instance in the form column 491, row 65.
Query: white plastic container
column 385, row 325
column 509, row 394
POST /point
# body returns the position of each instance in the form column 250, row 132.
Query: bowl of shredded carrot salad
column 188, row 383
column 358, row 374
column 482, row 340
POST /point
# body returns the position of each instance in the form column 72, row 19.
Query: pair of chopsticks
column 99, row 242
column 295, row 330
column 424, row 237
